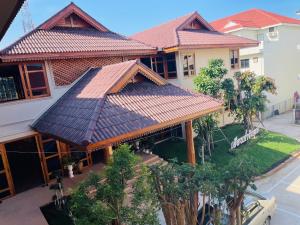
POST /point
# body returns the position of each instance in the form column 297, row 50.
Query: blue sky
column 131, row 16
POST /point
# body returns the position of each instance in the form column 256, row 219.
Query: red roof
column 254, row 18
column 53, row 39
column 97, row 108
column 178, row 33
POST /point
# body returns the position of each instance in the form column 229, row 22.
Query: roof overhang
column 8, row 11
column 68, row 55
column 151, row 129
column 189, row 47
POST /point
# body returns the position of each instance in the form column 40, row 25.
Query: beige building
column 277, row 55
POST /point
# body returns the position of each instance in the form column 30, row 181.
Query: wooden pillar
column 190, row 142
column 108, row 153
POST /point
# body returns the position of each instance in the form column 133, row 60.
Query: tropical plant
column 249, row 98
column 106, row 200
column 209, row 82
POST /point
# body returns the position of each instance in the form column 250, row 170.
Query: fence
column 278, row 108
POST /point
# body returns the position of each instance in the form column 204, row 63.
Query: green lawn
column 268, row 148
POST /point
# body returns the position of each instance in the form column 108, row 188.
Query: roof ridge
column 97, row 111
column 164, row 23
column 77, row 10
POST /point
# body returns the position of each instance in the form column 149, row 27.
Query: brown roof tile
column 175, row 34
column 90, row 113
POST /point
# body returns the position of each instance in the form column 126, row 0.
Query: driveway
column 283, row 124
column 285, row 183
column 285, row 186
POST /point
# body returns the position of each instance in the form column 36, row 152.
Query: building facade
column 276, row 55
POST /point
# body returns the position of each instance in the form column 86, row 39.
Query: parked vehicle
column 256, row 210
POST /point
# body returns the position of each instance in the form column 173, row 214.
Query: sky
column 131, row 16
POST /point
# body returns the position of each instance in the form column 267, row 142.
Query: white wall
column 279, row 58
column 202, row 57
column 17, row 116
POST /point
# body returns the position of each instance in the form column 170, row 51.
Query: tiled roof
column 71, row 40
column 90, row 112
column 54, row 41
column 174, row 34
column 211, row 39
column 254, row 18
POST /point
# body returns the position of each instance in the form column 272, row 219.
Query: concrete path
column 24, row 208
column 283, row 124
column 285, row 186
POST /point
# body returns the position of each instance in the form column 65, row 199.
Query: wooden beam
column 108, row 153
column 191, row 155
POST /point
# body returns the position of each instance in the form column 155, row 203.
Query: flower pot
column 70, row 169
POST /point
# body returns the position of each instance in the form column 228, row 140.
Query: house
column 277, row 54
column 186, row 44
column 73, row 87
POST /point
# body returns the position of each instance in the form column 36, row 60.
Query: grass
column 268, row 149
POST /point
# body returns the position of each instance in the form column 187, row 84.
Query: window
column 24, row 81
column 10, row 84
column 188, row 65
column 271, row 29
column 244, row 63
column 171, row 65
column 234, row 58
column 35, row 80
column 164, row 65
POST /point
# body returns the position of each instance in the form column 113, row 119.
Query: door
column 6, row 187
column 51, row 155
column 25, row 164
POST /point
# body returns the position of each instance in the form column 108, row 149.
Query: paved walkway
column 285, row 183
column 285, row 186
column 283, row 124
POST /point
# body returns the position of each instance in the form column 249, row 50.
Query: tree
column 105, row 200
column 209, row 82
column 237, row 176
column 249, row 98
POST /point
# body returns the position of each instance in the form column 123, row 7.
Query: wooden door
column 6, row 184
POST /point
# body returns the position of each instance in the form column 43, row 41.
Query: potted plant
column 68, row 163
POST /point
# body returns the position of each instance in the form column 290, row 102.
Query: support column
column 191, row 155
column 108, row 153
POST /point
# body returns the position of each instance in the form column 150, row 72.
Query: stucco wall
column 279, row 59
column 17, row 116
column 202, row 57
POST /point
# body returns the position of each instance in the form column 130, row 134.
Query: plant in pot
column 68, row 164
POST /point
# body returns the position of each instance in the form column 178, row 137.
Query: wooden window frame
column 42, row 141
column 191, row 72
column 237, row 64
column 26, row 81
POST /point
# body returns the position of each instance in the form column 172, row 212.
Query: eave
column 69, row 55
column 150, row 129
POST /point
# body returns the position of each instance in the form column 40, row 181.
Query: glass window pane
column 38, row 92
column 3, row 181
column 160, row 68
column 172, row 75
column 170, row 56
column 171, row 66
column 146, row 61
column 50, row 148
column 37, row 79
column 53, row 164
column 37, row 66
column 8, row 90
column 1, row 163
